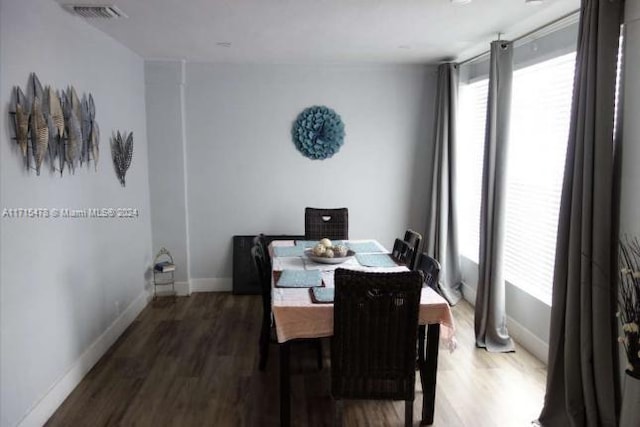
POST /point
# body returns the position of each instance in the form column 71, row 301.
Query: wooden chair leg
column 408, row 413
column 264, row 345
column 337, row 415
column 319, row 353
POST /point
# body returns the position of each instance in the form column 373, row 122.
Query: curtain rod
column 524, row 36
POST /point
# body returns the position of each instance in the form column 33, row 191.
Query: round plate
column 324, row 260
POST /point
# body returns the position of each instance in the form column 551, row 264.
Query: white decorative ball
column 328, row 253
column 326, row 243
column 319, row 250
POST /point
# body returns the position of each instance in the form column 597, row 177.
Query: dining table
column 297, row 316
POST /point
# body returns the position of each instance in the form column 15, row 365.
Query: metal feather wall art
column 39, row 123
column 39, row 134
column 56, row 129
column 95, row 143
column 55, row 126
column 55, row 110
column 52, row 149
column 73, row 119
column 21, row 114
column 74, row 102
column 35, row 87
column 122, row 153
column 90, row 131
column 73, row 144
column 85, row 124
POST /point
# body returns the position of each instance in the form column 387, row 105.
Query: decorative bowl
column 325, row 260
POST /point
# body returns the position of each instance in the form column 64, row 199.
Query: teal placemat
column 288, row 251
column 299, row 279
column 312, row 243
column 376, row 260
column 322, row 295
column 306, row 243
column 364, row 247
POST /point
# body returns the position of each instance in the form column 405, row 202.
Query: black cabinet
column 245, row 278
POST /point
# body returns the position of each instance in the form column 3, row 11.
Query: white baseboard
column 214, row 284
column 528, row 340
column 42, row 410
column 182, row 289
column 519, row 333
column 469, row 294
column 203, row 285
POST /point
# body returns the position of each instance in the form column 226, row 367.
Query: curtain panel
column 582, row 380
column 441, row 238
column 490, row 313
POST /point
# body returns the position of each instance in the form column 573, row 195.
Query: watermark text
column 70, row 213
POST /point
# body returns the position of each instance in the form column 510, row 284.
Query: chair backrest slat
column 330, row 223
column 413, row 238
column 430, row 268
column 402, row 252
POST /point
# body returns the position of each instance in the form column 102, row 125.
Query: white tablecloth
column 296, row 316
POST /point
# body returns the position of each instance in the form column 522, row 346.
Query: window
column 472, row 111
column 540, row 116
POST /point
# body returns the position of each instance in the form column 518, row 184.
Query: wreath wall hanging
column 318, row 132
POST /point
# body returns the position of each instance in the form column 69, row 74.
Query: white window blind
column 541, row 106
column 472, row 109
column 540, row 117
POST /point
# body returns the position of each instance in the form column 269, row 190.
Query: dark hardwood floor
column 193, row 361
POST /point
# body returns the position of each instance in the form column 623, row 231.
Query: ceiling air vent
column 95, row 11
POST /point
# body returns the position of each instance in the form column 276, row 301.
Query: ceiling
column 321, row 31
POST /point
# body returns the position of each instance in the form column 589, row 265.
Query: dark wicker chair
column 430, row 268
column 330, row 223
column 373, row 348
column 262, row 263
column 413, row 238
column 261, row 241
column 263, row 269
column 402, row 252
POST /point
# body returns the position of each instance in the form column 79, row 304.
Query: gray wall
column 165, row 127
column 65, row 281
column 244, row 175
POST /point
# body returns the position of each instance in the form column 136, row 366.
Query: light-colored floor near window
column 478, row 388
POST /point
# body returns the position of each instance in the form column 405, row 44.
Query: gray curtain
column 582, row 379
column 490, row 316
column 441, row 238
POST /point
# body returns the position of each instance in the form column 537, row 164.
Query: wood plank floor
column 193, row 362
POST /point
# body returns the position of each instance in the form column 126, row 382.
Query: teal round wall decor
column 318, row 132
